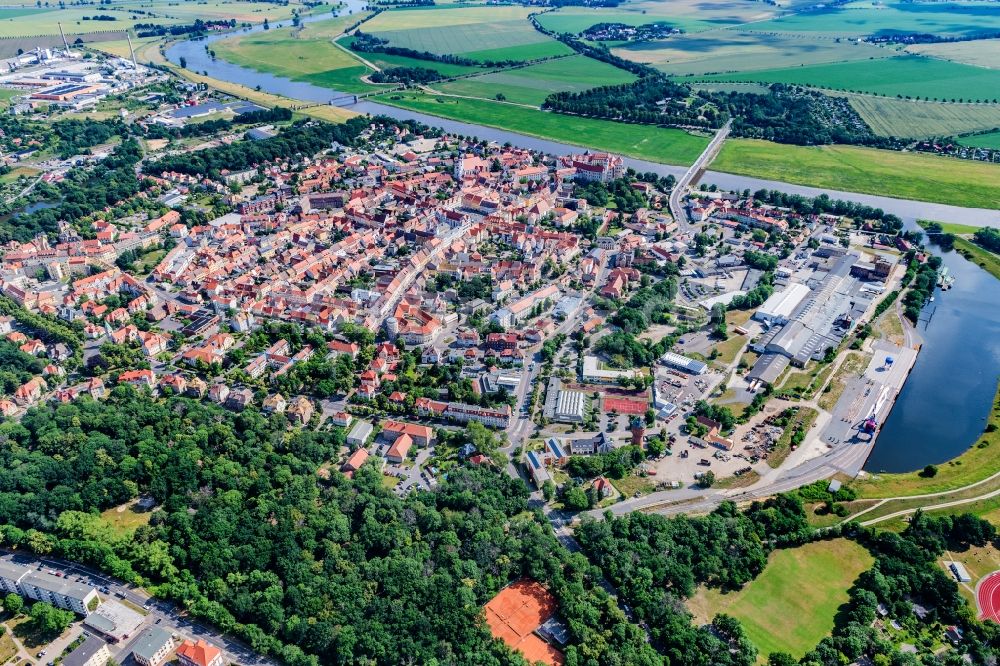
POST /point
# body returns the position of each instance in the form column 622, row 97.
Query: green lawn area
column 6, row 94
column 988, row 261
column 805, row 417
column 849, row 168
column 988, row 140
column 665, row 145
column 531, row 85
column 629, row 485
column 978, row 462
column 7, row 647
column 791, row 606
column 17, row 172
column 317, row 60
column 908, row 75
column 125, row 521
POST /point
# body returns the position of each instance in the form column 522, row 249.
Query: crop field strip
column 979, row 52
column 907, row 75
column 889, row 116
column 987, row 140
column 732, row 50
column 955, row 19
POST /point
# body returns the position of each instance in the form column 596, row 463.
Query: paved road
column 691, row 175
column 163, row 613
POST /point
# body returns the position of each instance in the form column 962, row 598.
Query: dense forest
column 250, row 537
column 786, row 114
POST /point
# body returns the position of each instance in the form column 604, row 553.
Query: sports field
column 483, row 33
column 852, row 169
column 739, row 51
column 791, row 606
column 908, row 75
column 950, row 19
column 989, row 140
column 889, row 116
column 531, row 85
column 669, row 146
column 979, row 52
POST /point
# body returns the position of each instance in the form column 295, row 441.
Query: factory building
column 571, row 407
column 778, row 308
column 690, row 365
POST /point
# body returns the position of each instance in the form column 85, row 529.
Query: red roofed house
column 397, row 452
column 201, row 653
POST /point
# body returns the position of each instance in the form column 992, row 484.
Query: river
column 942, row 407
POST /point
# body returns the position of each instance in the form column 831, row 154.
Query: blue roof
column 554, row 447
column 533, row 460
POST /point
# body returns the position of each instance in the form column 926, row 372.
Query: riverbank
column 980, row 461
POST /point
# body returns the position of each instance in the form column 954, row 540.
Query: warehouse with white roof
column 778, row 308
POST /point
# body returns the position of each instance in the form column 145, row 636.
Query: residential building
column 200, row 653
column 92, row 652
column 152, row 646
column 40, row 586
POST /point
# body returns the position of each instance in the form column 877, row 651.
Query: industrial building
column 571, row 406
column 778, row 308
column 39, row 586
column 819, row 322
column 693, row 366
column 114, row 621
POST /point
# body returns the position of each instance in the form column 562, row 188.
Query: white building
column 778, row 308
column 571, row 406
column 360, row 433
column 39, row 586
column 152, row 646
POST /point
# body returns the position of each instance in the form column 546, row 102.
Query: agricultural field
column 531, row 85
column 908, row 75
column 979, row 52
column 988, row 140
column 854, row 169
column 791, row 606
column 480, row 33
column 575, row 20
column 738, row 51
column 888, row 116
column 27, row 20
column 665, row 145
column 858, row 19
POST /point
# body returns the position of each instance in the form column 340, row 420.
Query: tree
column 548, row 490
column 929, row 472
column 13, row 604
column 706, row 479
column 49, row 620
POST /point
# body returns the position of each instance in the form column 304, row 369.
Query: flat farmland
column 737, row 51
column 718, row 12
column 483, row 33
column 791, row 606
column 989, row 140
column 978, row 52
column 852, row 169
column 889, row 116
column 532, row 84
column 951, row 19
column 664, row 145
column 575, row 20
column 908, row 75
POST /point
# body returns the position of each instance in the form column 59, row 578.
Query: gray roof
column 150, row 641
column 85, row 652
column 56, row 585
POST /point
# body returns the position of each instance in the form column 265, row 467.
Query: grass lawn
column 988, row 140
column 17, row 172
column 866, row 170
column 6, row 94
column 532, row 84
column 665, row 145
column 125, row 519
column 952, row 227
column 988, row 261
column 7, row 647
column 729, row 348
column 629, row 485
column 978, row 462
column 908, row 75
column 791, row 606
column 390, row 482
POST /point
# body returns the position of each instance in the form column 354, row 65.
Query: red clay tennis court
column 625, row 405
column 515, row 613
column 988, row 597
